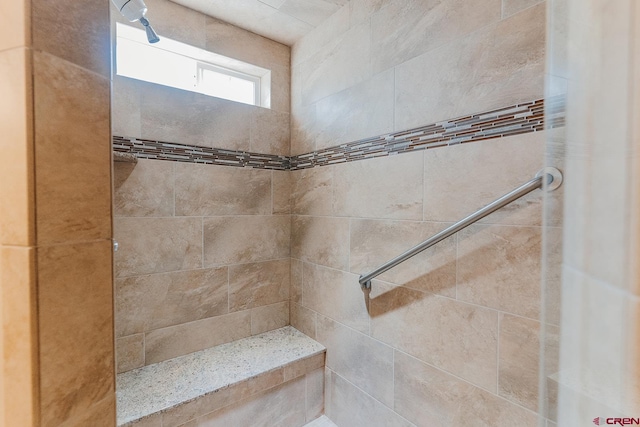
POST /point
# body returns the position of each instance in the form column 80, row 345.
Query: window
column 175, row 64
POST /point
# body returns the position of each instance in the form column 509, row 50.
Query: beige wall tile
column 73, row 182
column 499, row 267
column 374, row 242
column 258, row 284
column 464, row 178
column 242, row 239
column 85, row 40
column 156, row 245
column 129, row 352
column 510, row 69
column 281, row 89
column 270, row 132
column 341, row 118
column 304, row 366
column 282, row 406
column 227, row 39
column 125, row 107
column 175, row 115
column 406, row 29
column 389, row 187
column 206, row 190
column 361, row 10
column 269, row 317
column 17, row 218
column 347, row 405
column 15, row 24
column 459, row 338
column 303, row 319
column 174, row 341
column 519, row 360
column 311, row 191
column 281, row 192
column 100, row 414
column 295, row 292
column 335, row 294
column 19, row 358
column 342, row 63
column 304, row 128
column 429, row 397
column 313, row 12
column 321, row 240
column 145, row 188
column 75, row 304
column 315, row 394
column 221, row 398
column 510, row 7
column 148, row 302
column 365, row 362
column 319, row 37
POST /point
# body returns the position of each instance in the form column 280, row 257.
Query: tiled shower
column 238, row 226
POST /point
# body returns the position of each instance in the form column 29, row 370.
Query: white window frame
column 205, row 60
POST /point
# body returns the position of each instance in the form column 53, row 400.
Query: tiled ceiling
column 285, row 21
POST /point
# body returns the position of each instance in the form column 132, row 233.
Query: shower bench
column 276, row 376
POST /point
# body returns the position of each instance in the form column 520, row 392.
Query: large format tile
column 456, row 337
column 511, row 7
column 519, row 360
column 159, row 300
column 19, row 358
column 243, row 239
column 15, row 27
column 144, row 188
column 175, row 115
column 340, row 117
column 342, row 63
column 155, row 245
column 174, row 341
column 85, row 39
column 270, row 132
column 177, row 22
column 125, row 107
column 311, row 191
column 208, row 190
column 389, row 187
column 303, row 319
column 315, row 394
column 496, row 66
column 365, row 362
column 129, row 352
column 431, row 398
column 499, row 267
column 257, row 284
column 269, row 317
column 75, row 304
column 335, row 294
column 73, row 183
column 281, row 406
column 347, row 405
column 462, row 179
column 321, row 240
column 374, row 242
column 17, row 218
column 406, row 28
column 281, row 192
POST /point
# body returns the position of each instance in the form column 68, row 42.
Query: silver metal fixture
column 116, row 246
column 554, row 179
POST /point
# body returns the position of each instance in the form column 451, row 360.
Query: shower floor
column 323, row 421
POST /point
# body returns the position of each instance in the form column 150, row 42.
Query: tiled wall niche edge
column 512, row 120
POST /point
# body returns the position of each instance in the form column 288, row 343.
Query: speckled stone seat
column 275, row 378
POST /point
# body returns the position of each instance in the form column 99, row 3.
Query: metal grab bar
column 554, row 180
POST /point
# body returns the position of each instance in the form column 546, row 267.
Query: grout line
column 498, row 355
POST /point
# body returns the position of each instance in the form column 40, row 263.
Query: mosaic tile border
column 158, row 150
column 508, row 121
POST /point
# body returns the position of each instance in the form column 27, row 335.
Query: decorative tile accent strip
column 508, row 121
column 158, row 150
column 513, row 120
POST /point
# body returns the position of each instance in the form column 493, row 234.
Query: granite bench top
column 167, row 384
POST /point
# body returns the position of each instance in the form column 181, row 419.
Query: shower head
column 135, row 10
column 151, row 35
